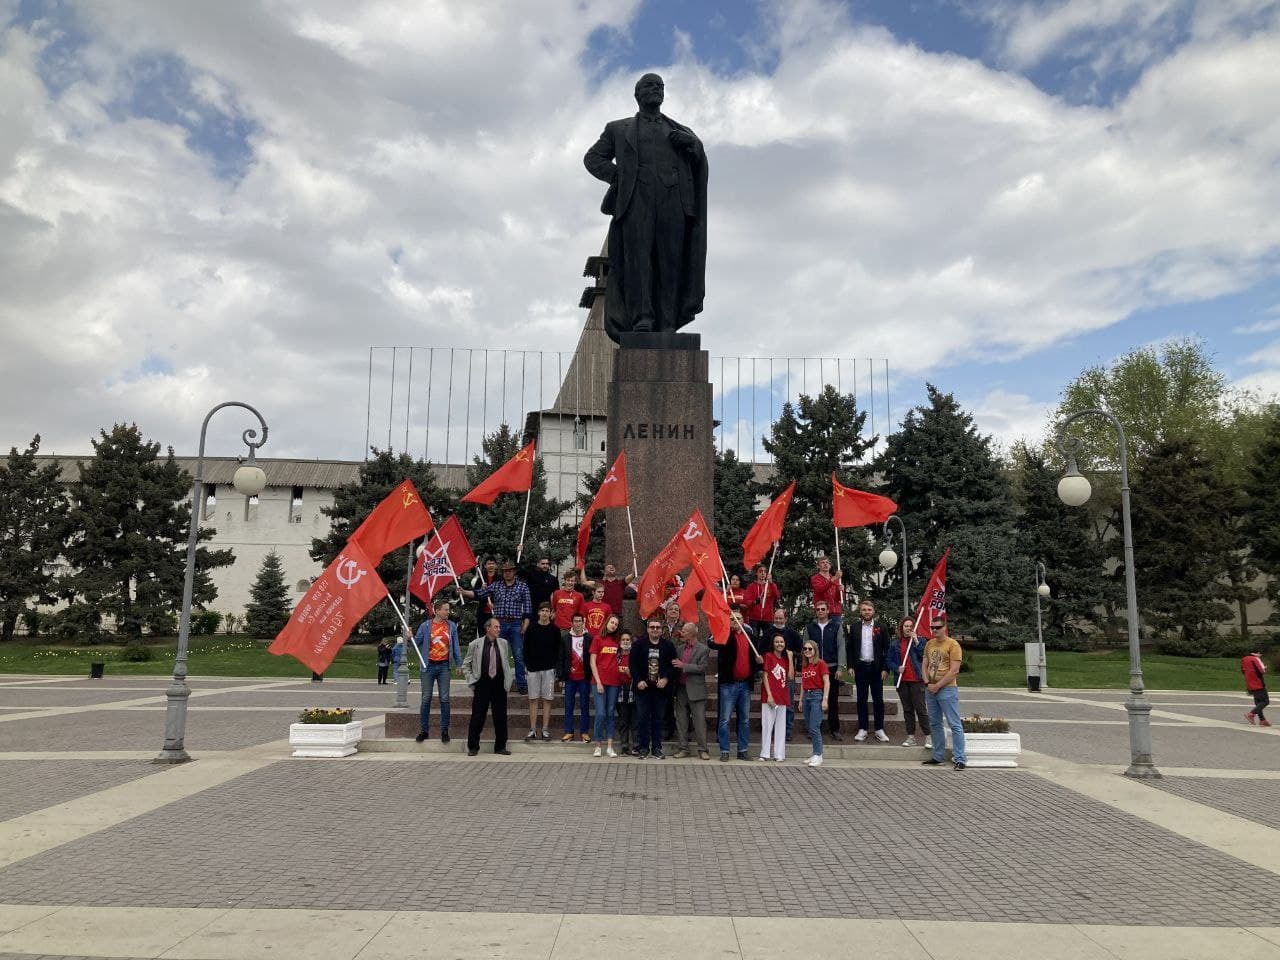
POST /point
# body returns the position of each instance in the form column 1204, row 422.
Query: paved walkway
column 246, row 853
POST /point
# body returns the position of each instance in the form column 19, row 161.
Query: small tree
column 33, row 511
column 1261, row 523
column 268, row 609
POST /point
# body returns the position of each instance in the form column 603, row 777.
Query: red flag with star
column 399, row 518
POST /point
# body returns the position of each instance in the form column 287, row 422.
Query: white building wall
column 565, row 460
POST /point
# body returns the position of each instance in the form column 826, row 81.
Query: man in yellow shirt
column 942, row 658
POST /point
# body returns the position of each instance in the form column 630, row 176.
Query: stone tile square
column 690, row 938
column 119, row 932
column 272, row 934
column 29, row 785
column 1001, row 941
column 766, row 939
column 13, row 915
column 461, row 936
column 1182, row 943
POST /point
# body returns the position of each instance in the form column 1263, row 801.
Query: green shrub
column 135, row 651
column 162, row 623
column 79, row 623
column 32, row 621
column 978, row 724
column 205, row 623
column 327, row 715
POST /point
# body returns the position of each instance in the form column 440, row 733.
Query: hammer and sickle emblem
column 522, row 457
column 611, row 478
column 407, row 498
column 839, row 491
column 692, row 532
column 700, row 558
column 349, row 573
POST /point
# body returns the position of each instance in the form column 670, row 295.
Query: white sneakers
column 928, row 742
column 860, row 736
column 596, row 753
column 814, row 761
column 611, row 752
column 909, row 742
column 882, row 736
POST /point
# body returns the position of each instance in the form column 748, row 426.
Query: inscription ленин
column 658, row 431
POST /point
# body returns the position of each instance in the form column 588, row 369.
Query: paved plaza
column 549, row 853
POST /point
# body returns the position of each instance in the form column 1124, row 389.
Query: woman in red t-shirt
column 906, row 655
column 774, row 700
column 607, row 677
column 815, row 686
column 735, row 593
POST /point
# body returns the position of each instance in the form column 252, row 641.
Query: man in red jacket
column 1253, row 668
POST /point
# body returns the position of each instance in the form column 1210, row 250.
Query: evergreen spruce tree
column 1181, row 542
column 33, row 511
column 953, row 491
column 1059, row 536
column 269, row 608
column 735, row 507
column 130, row 518
column 809, row 441
column 1260, row 523
column 495, row 531
column 353, row 502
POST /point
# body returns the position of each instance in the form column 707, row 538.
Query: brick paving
column 30, row 785
column 1180, row 745
column 1256, row 800
column 702, row 839
column 45, row 697
column 142, row 730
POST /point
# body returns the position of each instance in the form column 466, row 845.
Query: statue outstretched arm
column 599, row 159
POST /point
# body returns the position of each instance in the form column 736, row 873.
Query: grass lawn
column 241, row 657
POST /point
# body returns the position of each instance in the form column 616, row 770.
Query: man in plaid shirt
column 513, row 607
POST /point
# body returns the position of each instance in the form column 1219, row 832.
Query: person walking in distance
column 824, row 632
column 868, row 644
column 1253, row 668
column 942, row 658
column 384, row 661
column 774, row 700
column 907, row 656
column 815, row 685
column 691, row 692
column 439, row 638
column 488, row 671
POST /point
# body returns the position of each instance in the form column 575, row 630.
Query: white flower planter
column 325, row 739
column 991, row 749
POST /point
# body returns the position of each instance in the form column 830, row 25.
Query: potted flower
column 988, row 742
column 325, row 732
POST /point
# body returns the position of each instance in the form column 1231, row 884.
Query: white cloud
column 1010, row 417
column 417, row 178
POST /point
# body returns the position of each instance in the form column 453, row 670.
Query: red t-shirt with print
column 775, row 678
column 605, row 650
column 565, row 603
column 811, row 675
column 596, row 614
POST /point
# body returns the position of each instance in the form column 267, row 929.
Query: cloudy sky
column 206, row 201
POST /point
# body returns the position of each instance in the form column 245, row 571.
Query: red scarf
column 741, row 664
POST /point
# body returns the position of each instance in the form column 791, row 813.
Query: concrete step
column 797, row 750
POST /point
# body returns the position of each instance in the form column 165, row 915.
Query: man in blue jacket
column 825, row 634
column 437, row 638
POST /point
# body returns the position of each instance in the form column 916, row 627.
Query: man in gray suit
column 488, row 671
column 657, row 197
column 691, row 691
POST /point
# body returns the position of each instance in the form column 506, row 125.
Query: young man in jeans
column 437, row 638
column 576, row 672
column 734, row 666
column 942, row 657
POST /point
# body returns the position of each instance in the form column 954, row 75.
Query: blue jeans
column 606, row 706
column 577, row 691
column 515, row 640
column 734, row 696
column 813, row 719
column 437, row 674
column 791, row 708
column 945, row 704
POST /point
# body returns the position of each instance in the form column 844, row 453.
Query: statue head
column 649, row 90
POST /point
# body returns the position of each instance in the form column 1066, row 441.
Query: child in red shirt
column 1253, row 668
column 774, row 700
column 815, row 686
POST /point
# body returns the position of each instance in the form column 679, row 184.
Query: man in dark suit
column 657, row 175
column 488, row 671
column 868, row 641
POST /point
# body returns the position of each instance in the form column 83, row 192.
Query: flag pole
column 405, row 624
column 769, row 576
column 525, row 523
column 836, row 531
column 457, row 581
column 725, row 583
column 635, row 563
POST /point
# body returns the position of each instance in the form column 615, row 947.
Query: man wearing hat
column 512, row 608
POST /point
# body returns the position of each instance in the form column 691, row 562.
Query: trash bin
column 95, row 670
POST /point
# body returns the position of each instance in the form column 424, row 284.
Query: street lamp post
column 249, row 481
column 1042, row 592
column 889, row 559
column 1074, row 491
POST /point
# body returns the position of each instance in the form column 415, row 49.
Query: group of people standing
column 627, row 693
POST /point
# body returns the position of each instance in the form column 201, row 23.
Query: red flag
column 854, row 508
column 933, row 605
column 399, row 518
column 717, row 611
column 328, row 612
column 514, row 476
column 456, row 545
column 767, row 530
column 652, row 590
column 612, row 493
column 701, row 548
column 432, row 572
column 688, row 598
